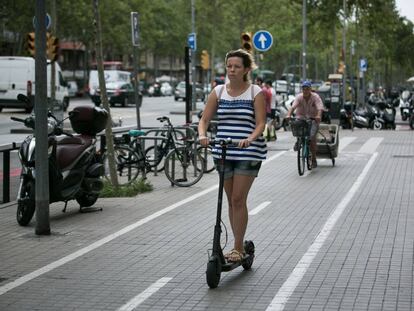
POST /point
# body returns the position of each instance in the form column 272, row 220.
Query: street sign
column 48, row 21
column 363, row 64
column 262, row 40
column 192, row 41
column 135, row 28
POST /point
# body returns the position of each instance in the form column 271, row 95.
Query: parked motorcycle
column 405, row 105
column 350, row 117
column 386, row 113
column 75, row 169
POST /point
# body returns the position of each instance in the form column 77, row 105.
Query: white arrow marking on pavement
column 279, row 301
column 259, row 208
column 60, row 262
column 137, row 300
column 345, row 141
column 263, row 40
column 371, row 145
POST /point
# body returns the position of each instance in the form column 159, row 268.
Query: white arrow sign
column 262, row 40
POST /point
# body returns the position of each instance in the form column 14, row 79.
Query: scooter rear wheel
column 87, row 199
column 213, row 272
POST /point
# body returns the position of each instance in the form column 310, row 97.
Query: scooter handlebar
column 224, row 142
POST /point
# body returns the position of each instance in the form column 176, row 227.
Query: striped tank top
column 236, row 121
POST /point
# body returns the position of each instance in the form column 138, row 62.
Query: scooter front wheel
column 26, row 203
column 213, row 272
column 249, row 249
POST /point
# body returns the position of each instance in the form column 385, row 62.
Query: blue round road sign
column 48, row 21
column 262, row 40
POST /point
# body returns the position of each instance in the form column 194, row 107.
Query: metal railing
column 5, row 150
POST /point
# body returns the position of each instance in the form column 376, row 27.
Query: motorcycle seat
column 69, row 148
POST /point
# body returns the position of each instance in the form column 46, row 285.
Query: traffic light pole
column 188, row 99
column 41, row 156
column 193, row 61
column 53, row 66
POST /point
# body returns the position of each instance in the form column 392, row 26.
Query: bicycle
column 129, row 162
column 155, row 154
column 301, row 129
column 183, row 167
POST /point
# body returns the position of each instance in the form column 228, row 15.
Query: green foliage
column 130, row 190
column 381, row 35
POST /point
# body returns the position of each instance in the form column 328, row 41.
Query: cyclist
column 308, row 104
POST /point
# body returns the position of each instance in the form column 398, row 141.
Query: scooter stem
column 217, row 228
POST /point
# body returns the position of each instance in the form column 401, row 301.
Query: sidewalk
column 361, row 260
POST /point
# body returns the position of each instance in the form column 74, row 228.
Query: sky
column 406, row 8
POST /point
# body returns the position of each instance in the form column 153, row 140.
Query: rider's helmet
column 306, row 83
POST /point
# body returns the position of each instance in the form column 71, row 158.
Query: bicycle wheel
column 127, row 165
column 154, row 155
column 207, row 156
column 301, row 157
column 181, row 167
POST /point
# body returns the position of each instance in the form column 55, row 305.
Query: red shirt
column 268, row 99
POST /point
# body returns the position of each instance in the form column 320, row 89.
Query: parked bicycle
column 172, row 140
column 182, row 166
column 301, row 129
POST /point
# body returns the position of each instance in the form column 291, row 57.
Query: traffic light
column 31, row 48
column 246, row 42
column 205, row 60
column 52, row 47
column 341, row 67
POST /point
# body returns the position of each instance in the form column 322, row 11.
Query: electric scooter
column 216, row 262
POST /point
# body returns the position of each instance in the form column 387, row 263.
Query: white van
column 17, row 75
column 110, row 76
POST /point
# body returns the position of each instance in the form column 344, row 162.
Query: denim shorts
column 239, row 167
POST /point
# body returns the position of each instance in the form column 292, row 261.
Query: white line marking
column 345, row 141
column 259, row 208
column 137, row 300
column 279, row 301
column 275, row 156
column 60, row 262
column 7, row 287
column 371, row 145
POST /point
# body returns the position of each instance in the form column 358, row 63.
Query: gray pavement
column 338, row 238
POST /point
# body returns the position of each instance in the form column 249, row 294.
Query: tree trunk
column 104, row 97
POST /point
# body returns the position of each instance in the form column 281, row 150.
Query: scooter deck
column 228, row 266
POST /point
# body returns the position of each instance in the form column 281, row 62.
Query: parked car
column 118, row 92
column 73, row 89
column 110, row 76
column 154, row 90
column 166, row 89
column 179, row 92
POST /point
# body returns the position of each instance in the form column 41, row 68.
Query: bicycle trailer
column 327, row 141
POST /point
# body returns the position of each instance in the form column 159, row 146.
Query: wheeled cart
column 327, row 141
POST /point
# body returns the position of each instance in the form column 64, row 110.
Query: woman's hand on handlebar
column 244, row 143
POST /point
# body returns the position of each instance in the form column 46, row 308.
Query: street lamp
column 304, row 40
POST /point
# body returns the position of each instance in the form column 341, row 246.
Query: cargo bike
column 327, row 142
